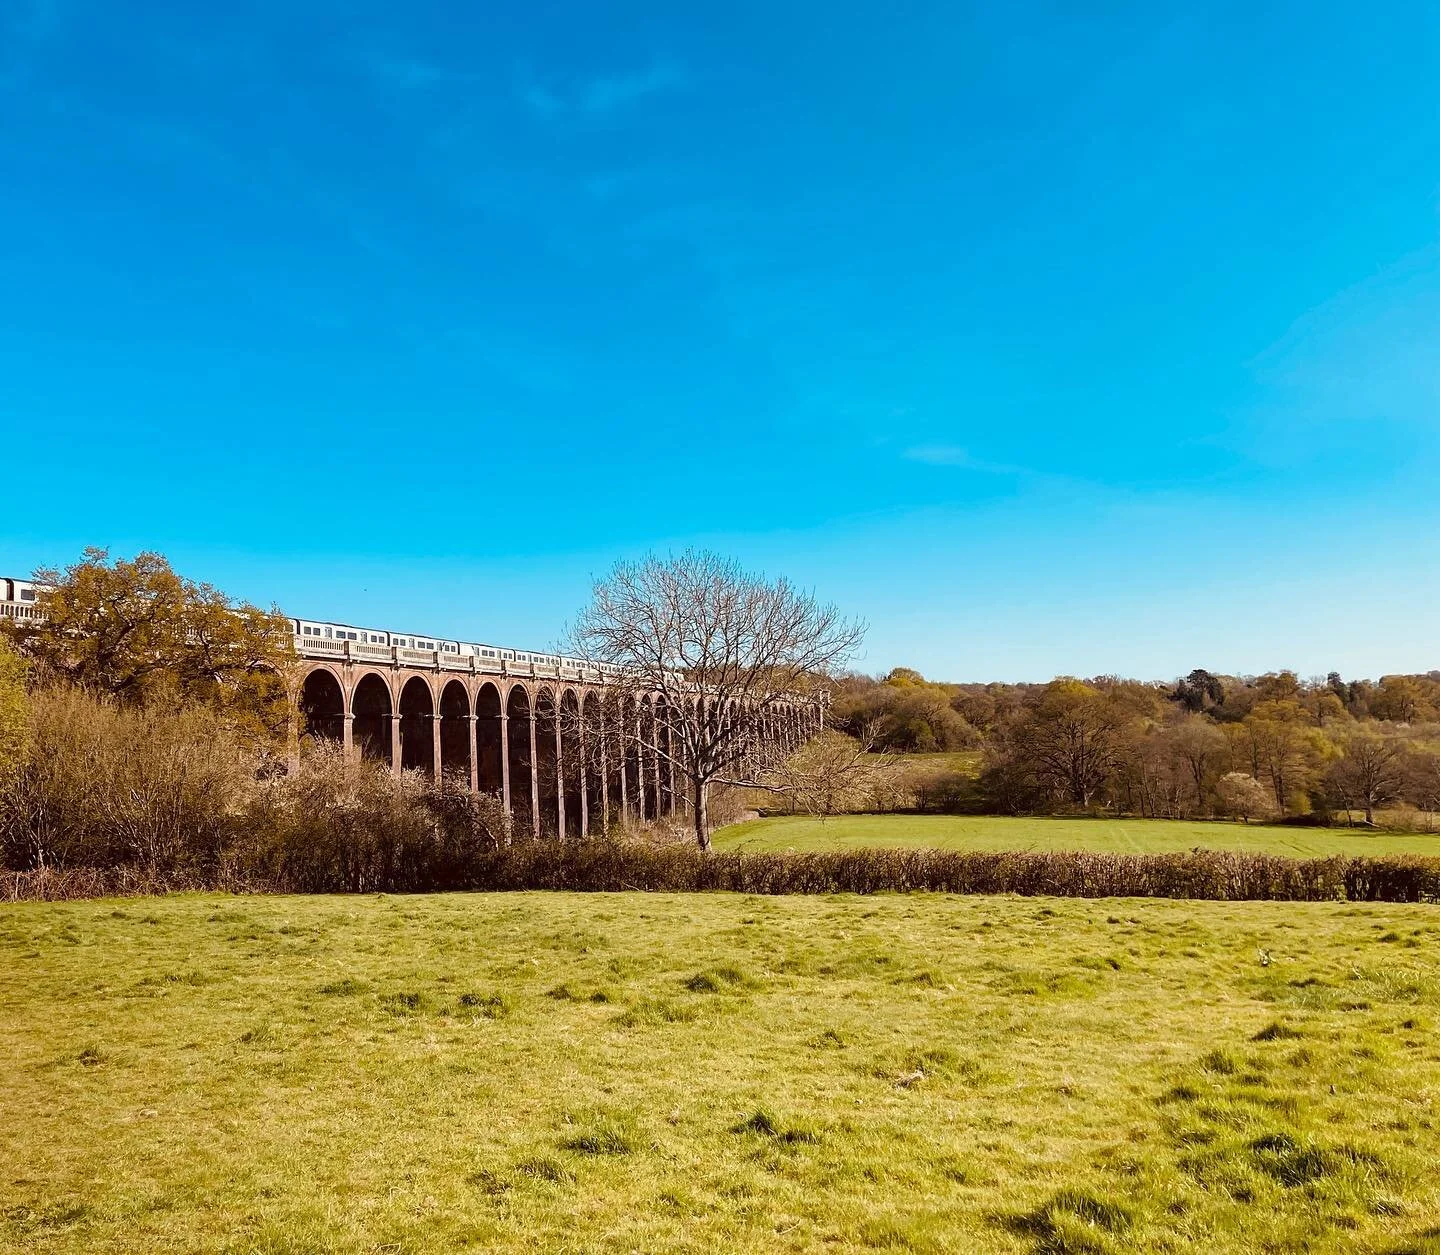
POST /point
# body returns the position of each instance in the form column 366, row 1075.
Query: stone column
column 472, row 740
column 347, row 735
column 394, row 718
column 435, row 768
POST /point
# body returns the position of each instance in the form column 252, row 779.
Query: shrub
column 105, row 786
column 394, row 852
column 348, row 826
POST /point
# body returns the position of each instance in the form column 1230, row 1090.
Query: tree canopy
column 138, row 632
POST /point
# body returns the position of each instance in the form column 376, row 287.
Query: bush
column 354, row 827
column 398, row 856
column 103, row 785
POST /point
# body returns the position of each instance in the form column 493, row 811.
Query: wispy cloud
column 954, row 455
column 601, row 95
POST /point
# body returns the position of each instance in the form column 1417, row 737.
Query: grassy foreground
column 715, row 1072
column 1001, row 832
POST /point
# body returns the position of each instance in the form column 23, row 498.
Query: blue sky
column 1044, row 342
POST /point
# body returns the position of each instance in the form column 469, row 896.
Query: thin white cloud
column 541, row 101
column 601, row 95
column 942, row 455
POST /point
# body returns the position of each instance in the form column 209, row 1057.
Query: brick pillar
column 347, row 736
column 604, row 781
column 473, row 743
column 534, row 770
column 395, row 741
column 582, row 769
column 435, row 746
column 292, row 737
column 505, row 762
column 559, row 770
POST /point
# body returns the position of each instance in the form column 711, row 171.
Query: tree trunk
column 700, row 792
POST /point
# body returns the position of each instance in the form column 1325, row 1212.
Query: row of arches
column 540, row 748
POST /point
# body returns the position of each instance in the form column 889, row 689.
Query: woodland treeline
column 1253, row 747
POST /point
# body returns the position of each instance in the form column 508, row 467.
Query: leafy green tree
column 137, row 632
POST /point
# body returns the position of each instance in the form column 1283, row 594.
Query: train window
column 27, row 594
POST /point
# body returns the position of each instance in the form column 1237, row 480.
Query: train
column 19, row 598
column 312, row 630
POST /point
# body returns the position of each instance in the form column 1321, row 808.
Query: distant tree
column 1401, row 699
column 1202, row 748
column 723, row 650
column 1422, row 779
column 1370, row 772
column 1244, row 796
column 1276, row 741
column 832, row 773
column 1199, row 691
column 921, row 719
column 1069, row 739
column 136, row 630
column 1325, row 706
column 1278, row 686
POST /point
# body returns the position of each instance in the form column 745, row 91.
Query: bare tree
column 832, row 774
column 1201, row 747
column 1371, row 772
column 734, row 662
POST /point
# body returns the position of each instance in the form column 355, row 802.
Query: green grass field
column 718, row 1073
column 1000, row 832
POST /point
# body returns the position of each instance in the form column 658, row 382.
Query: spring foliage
column 139, row 633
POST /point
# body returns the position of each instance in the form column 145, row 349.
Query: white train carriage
column 313, row 632
column 21, row 598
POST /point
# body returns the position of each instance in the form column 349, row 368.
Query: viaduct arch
column 531, row 735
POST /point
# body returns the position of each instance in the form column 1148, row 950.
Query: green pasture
column 705, row 1073
column 1001, row 832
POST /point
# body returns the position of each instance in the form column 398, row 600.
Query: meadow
column 1004, row 832
column 717, row 1072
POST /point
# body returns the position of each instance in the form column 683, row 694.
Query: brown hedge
column 611, row 866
